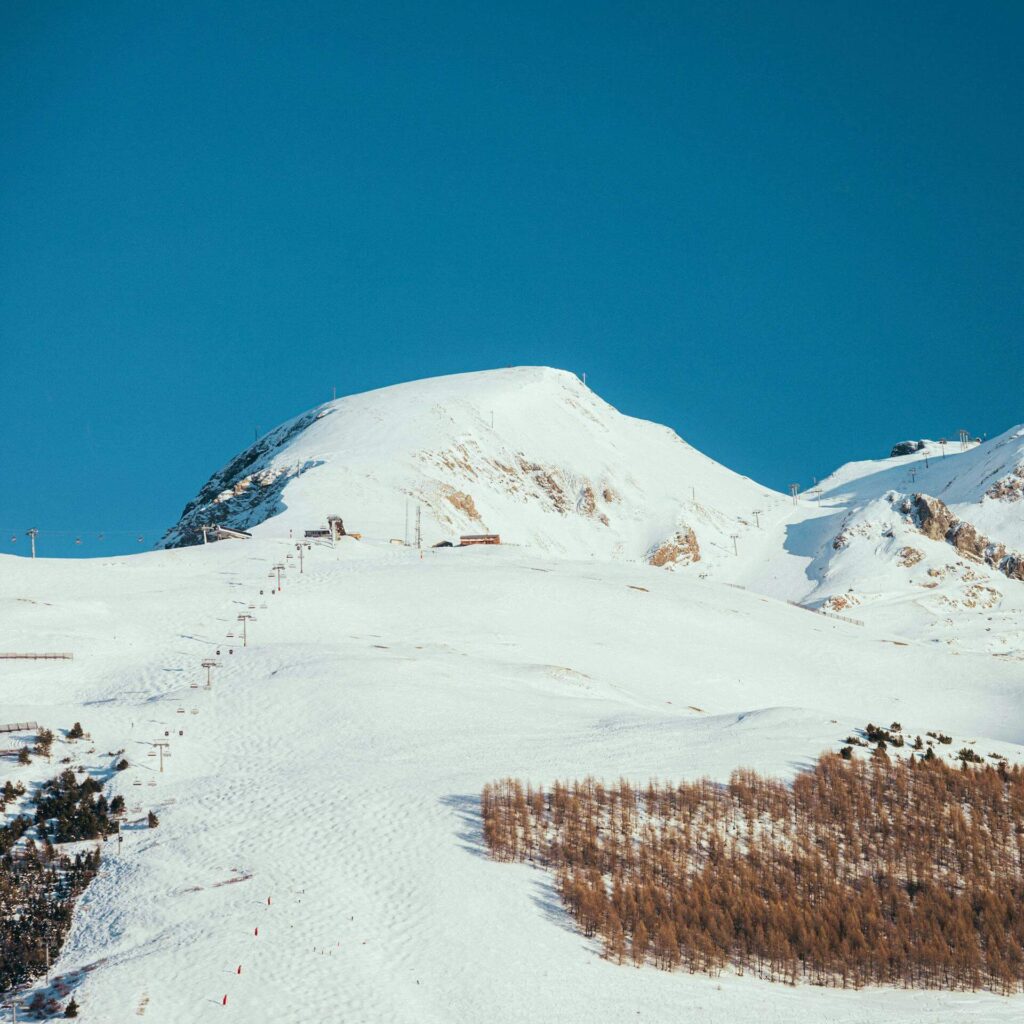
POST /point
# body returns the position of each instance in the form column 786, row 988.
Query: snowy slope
column 955, row 577
column 533, row 455
column 335, row 765
column 529, row 453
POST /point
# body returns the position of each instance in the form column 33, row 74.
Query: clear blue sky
column 790, row 230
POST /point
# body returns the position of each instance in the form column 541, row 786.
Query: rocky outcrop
column 906, row 448
column 840, row 602
column 463, row 502
column 246, row 503
column 966, row 539
column 1013, row 567
column 910, row 557
column 1010, row 487
column 247, row 490
column 934, row 519
column 680, row 549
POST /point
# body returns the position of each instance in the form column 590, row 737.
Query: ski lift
column 78, row 540
column 151, row 783
column 194, row 686
column 140, row 538
column 14, row 540
column 195, row 711
column 100, row 537
column 151, row 753
column 137, row 782
column 181, row 711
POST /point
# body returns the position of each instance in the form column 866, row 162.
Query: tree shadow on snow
column 545, row 898
column 470, row 832
column 49, row 1000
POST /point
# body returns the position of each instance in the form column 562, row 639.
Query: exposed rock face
column 464, row 503
column 557, row 488
column 935, row 521
column 966, row 539
column 905, row 448
column 933, row 517
column 246, row 491
column 681, row 549
column 1013, row 567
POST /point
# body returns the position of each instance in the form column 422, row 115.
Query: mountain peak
column 529, row 452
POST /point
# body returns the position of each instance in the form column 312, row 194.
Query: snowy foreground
column 324, row 791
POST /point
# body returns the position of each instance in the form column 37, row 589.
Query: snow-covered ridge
column 528, row 452
column 531, row 454
column 928, row 543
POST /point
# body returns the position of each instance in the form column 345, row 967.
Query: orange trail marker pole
column 224, row 1001
column 239, row 971
column 256, row 932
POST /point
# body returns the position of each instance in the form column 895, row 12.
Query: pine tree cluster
column 67, row 811
column 38, row 885
column 38, row 888
column 903, row 872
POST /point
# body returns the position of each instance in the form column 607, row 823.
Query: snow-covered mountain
column 528, row 453
column 926, row 543
column 318, row 855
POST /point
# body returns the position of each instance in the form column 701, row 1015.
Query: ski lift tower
column 209, row 664
column 279, row 568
